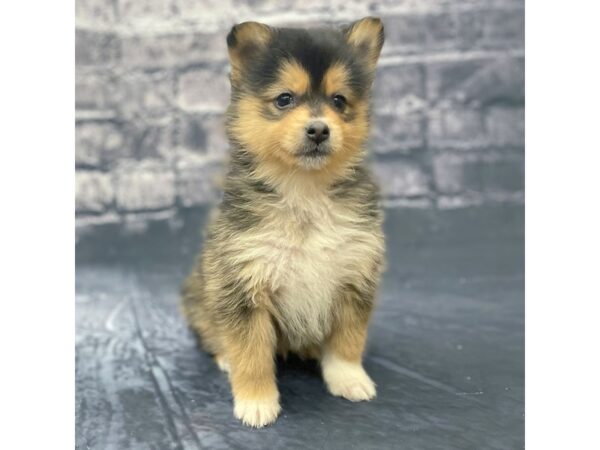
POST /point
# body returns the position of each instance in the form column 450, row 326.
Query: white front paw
column 348, row 380
column 257, row 413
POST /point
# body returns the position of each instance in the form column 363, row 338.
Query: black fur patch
column 316, row 50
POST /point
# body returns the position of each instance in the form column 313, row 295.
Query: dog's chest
column 305, row 258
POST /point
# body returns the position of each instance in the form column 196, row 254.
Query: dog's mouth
column 314, row 156
column 311, row 151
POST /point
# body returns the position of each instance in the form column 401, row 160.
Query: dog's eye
column 284, row 100
column 339, row 101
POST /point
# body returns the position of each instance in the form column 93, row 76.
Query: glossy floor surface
column 446, row 345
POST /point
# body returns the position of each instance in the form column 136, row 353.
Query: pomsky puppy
column 293, row 256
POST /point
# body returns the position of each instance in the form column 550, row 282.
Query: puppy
column 293, row 257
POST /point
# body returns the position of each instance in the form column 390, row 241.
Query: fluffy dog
column 293, row 257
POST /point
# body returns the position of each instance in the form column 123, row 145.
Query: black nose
column 317, row 131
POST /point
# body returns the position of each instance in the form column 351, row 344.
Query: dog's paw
column 257, row 413
column 348, row 380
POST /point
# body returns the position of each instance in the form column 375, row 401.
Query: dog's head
column 300, row 97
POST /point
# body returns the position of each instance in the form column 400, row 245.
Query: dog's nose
column 317, row 131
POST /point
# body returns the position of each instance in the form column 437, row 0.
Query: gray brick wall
column 151, row 89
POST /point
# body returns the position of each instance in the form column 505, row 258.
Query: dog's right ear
column 244, row 42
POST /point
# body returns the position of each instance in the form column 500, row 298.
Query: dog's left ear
column 366, row 36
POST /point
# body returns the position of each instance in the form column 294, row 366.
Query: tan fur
column 269, row 139
column 293, row 258
column 292, row 78
column 335, row 81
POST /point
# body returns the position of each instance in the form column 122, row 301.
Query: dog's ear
column 366, row 36
column 244, row 42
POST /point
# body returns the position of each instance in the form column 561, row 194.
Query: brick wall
column 151, row 88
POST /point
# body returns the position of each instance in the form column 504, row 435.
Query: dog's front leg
column 341, row 358
column 250, row 350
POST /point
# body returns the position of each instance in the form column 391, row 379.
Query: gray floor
column 446, row 346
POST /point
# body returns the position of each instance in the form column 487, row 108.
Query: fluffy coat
column 292, row 259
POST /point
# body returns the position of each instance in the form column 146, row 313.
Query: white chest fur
column 304, row 253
